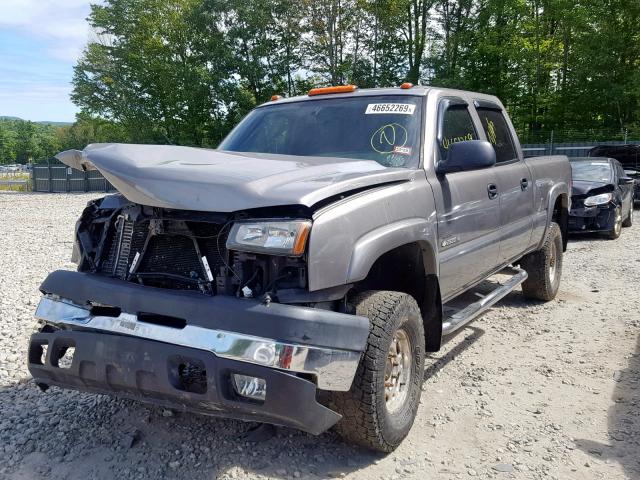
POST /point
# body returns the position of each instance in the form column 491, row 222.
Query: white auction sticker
column 398, row 108
column 402, row 150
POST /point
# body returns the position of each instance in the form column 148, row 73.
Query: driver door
column 468, row 207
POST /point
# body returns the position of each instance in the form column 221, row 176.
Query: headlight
column 601, row 199
column 271, row 237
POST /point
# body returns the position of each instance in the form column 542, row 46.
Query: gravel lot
column 527, row 391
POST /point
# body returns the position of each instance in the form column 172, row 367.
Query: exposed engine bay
column 177, row 249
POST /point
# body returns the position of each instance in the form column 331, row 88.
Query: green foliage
column 186, row 71
column 28, row 142
column 22, row 141
column 565, row 66
column 161, row 68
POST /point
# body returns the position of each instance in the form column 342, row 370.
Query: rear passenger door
column 514, row 182
column 468, row 208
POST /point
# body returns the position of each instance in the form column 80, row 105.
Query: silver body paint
column 464, row 235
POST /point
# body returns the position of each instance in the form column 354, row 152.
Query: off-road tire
column 629, row 220
column 615, row 232
column 366, row 420
column 543, row 281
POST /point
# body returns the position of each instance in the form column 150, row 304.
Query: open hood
column 210, row 180
column 583, row 187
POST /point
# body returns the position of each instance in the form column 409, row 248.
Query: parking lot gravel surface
column 529, row 390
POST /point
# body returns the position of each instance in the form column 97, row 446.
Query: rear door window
column 497, row 132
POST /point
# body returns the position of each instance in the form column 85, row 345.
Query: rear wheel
column 379, row 409
column 617, row 224
column 629, row 221
column 544, row 267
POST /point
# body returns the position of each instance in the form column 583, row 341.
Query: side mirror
column 468, row 155
column 626, row 181
column 630, row 173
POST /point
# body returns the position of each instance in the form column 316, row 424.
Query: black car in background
column 601, row 197
column 627, row 155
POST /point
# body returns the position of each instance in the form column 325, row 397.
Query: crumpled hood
column 582, row 187
column 210, row 180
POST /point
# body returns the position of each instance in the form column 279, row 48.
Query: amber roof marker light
column 329, row 90
column 406, row 86
column 275, row 97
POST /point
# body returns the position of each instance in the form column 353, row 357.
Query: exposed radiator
column 171, row 260
column 125, row 234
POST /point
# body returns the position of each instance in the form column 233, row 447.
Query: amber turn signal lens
column 406, row 86
column 301, row 239
column 328, row 90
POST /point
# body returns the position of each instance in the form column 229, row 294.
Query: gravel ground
column 527, row 391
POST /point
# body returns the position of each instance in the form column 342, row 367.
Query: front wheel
column 379, row 409
column 544, row 267
column 615, row 232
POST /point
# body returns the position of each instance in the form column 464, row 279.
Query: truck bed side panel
column 552, row 178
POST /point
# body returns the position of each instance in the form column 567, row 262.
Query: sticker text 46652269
column 397, row 108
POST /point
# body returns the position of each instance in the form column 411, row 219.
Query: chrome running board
column 460, row 318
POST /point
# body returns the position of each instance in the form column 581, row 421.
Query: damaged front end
column 594, row 211
column 178, row 250
column 162, row 310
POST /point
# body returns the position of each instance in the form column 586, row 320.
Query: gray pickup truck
column 298, row 274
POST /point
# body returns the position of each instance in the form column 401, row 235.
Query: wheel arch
column 560, row 215
column 558, row 211
column 410, row 268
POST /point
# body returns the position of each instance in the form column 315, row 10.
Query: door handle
column 492, row 190
column 524, row 184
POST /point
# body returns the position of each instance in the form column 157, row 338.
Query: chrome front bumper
column 334, row 369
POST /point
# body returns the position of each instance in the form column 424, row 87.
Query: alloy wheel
column 398, row 371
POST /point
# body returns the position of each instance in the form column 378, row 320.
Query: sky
column 40, row 42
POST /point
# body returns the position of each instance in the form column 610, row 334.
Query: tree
column 186, row 71
column 161, row 68
column 330, row 25
column 7, row 143
column 415, row 30
column 265, row 39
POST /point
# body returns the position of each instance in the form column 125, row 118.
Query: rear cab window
column 383, row 128
column 497, row 131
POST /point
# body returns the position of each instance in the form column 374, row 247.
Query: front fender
column 373, row 245
column 349, row 236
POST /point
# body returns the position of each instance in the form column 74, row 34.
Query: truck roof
column 416, row 91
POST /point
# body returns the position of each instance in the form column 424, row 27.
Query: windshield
column 385, row 129
column 592, row 171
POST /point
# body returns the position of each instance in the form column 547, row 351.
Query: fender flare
column 371, row 246
column 554, row 193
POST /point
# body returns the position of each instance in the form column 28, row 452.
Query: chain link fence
column 570, row 149
column 587, row 135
